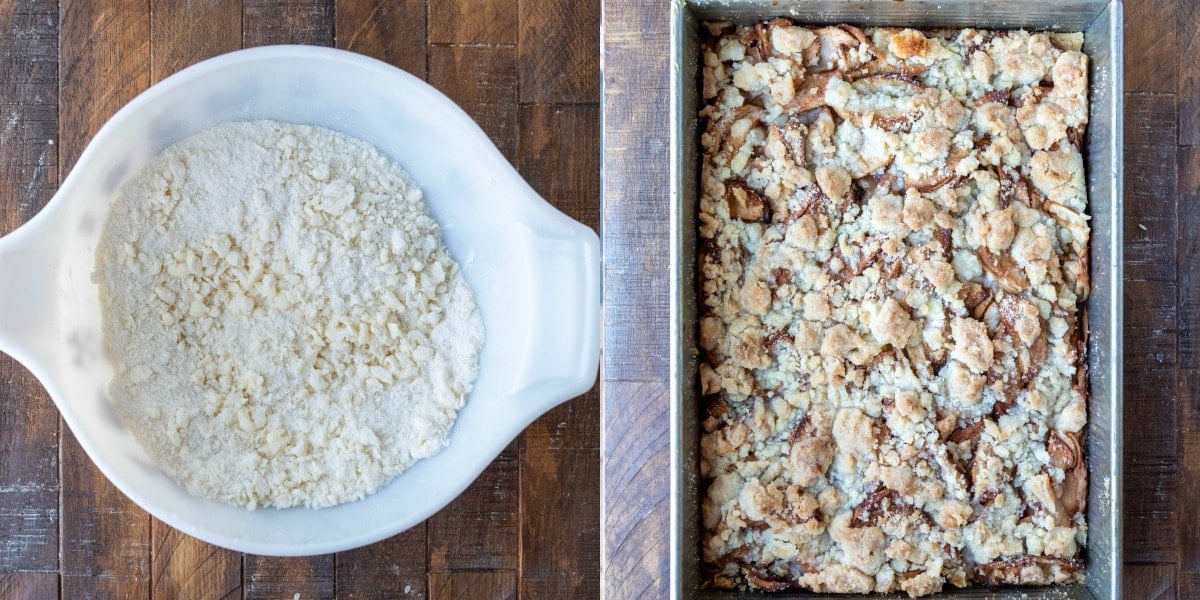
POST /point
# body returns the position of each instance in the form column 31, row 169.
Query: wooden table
column 527, row 71
column 1162, row 301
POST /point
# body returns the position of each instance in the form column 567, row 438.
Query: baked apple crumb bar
column 893, row 265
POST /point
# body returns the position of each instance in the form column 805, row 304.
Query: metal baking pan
column 1101, row 22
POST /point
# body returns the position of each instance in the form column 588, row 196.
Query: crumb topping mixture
column 893, row 265
column 286, row 325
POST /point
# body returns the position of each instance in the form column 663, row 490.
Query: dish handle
column 563, row 352
column 27, row 270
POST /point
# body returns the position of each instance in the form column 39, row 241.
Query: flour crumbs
column 286, row 326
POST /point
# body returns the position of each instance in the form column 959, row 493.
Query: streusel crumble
column 893, row 265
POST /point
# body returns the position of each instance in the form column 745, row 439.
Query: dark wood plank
column 634, row 194
column 483, row 81
column 183, row 34
column 28, row 473
column 475, row 22
column 560, row 157
column 1188, row 585
column 1151, row 39
column 560, row 452
column 560, row 506
column 482, row 585
column 29, row 484
column 28, row 109
column 1149, row 582
column 635, row 516
column 182, row 566
column 478, row 531
column 390, row 30
column 1188, row 87
column 1188, row 383
column 559, row 51
column 104, row 62
column 28, row 177
column 28, row 586
column 287, row 22
column 271, row 578
column 1151, row 409
column 1150, row 186
column 393, row 568
column 105, row 536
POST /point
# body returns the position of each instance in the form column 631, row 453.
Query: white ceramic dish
column 535, row 272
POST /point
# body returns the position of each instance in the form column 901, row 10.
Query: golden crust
column 894, row 256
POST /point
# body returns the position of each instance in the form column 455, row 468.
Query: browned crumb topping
column 893, row 260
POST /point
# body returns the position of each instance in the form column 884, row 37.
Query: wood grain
column 104, row 62
column 28, row 473
column 1188, row 585
column 287, row 22
column 105, row 536
column 390, row 30
column 393, row 568
column 1149, row 582
column 31, row 586
column 1151, row 39
column 104, row 58
column 635, row 510
column 267, row 578
column 479, row 584
column 559, row 51
column 565, row 170
column 1187, row 216
column 560, row 551
column 29, row 482
column 28, row 109
column 182, row 34
column 182, row 566
column 480, row 79
column 473, row 22
column 1151, row 411
column 1188, row 87
column 478, row 530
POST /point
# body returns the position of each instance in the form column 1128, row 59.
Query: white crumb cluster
column 286, row 325
column 893, row 264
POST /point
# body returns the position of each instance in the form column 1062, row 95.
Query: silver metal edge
column 684, row 534
column 675, row 581
column 1116, row 285
column 603, row 344
column 1114, row 344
